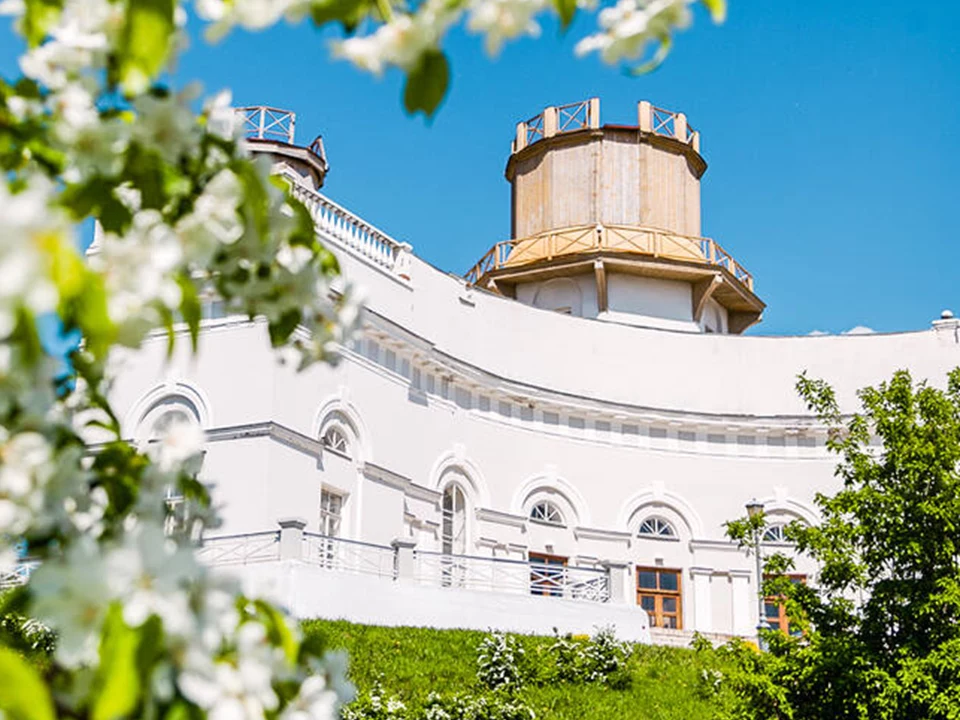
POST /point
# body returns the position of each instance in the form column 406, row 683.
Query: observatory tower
column 605, row 222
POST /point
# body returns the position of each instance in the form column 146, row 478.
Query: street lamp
column 754, row 509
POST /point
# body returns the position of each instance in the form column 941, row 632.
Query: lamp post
column 754, row 509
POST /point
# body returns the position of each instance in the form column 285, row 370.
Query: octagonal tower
column 605, row 222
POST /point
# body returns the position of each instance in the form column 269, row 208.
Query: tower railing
column 556, row 120
column 261, row 122
column 617, row 238
column 583, row 115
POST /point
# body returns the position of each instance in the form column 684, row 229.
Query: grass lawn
column 665, row 683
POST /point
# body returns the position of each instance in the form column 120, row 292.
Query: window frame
column 672, row 536
column 782, row 619
column 344, row 437
column 659, row 594
column 544, row 581
column 561, row 520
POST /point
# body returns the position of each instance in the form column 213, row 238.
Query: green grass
column 412, row 662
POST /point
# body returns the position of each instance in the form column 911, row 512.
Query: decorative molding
column 589, row 533
column 501, row 518
column 407, row 486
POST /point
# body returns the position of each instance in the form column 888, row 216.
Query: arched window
column 454, row 530
column 546, row 512
column 656, row 527
column 775, row 533
column 334, row 438
column 165, row 413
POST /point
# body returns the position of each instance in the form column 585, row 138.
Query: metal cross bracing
column 261, row 122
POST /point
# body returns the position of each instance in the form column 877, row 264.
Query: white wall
column 619, row 420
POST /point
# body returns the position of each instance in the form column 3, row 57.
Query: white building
column 555, row 441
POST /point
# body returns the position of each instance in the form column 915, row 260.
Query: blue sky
column 831, row 130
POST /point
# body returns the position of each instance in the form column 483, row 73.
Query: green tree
column 881, row 637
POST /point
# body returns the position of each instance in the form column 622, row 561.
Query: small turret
column 271, row 131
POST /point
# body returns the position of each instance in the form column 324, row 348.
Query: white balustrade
column 240, row 549
column 343, row 228
column 351, row 556
column 511, row 576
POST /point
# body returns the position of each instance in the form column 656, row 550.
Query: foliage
column 410, row 664
column 91, row 134
column 880, row 632
column 598, row 659
column 500, row 660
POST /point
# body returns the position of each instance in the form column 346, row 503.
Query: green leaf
column 23, row 693
column 118, row 680
column 717, row 8
column 145, row 44
column 38, row 18
column 666, row 42
column 190, row 308
column 567, row 9
column 278, row 630
column 427, row 83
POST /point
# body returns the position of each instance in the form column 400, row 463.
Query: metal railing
column 511, row 576
column 242, row 549
column 19, row 574
column 350, row 231
column 335, row 553
column 260, row 122
column 618, row 238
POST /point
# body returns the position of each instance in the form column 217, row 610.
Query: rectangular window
column 547, row 574
column 775, row 610
column 659, row 593
column 331, row 505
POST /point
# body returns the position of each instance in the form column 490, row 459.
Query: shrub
column 375, row 705
column 484, row 707
column 500, row 662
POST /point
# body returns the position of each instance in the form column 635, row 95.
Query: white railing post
column 620, row 577
column 680, row 127
column 593, row 113
column 405, row 562
column 645, row 116
column 521, row 141
column 401, row 261
column 550, row 122
column 291, row 538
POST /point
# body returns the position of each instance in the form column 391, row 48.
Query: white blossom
column 166, row 124
column 400, row 42
column 502, row 20
column 630, row 25
column 137, row 269
column 72, row 597
column 214, row 220
column 239, row 688
column 150, row 573
column 182, row 441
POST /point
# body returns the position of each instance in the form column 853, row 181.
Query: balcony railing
column 484, row 574
column 242, row 549
column 19, row 574
column 334, row 553
column 355, row 234
column 618, row 238
column 511, row 576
